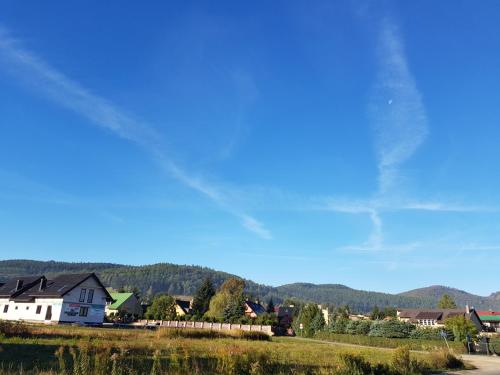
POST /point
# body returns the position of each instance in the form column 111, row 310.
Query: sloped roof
column 55, row 288
column 433, row 315
column 257, row 308
column 8, row 289
column 119, row 299
column 489, row 316
column 184, row 305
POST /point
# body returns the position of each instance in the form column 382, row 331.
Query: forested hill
column 461, row 297
column 184, row 280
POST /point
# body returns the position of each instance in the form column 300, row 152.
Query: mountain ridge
column 185, row 279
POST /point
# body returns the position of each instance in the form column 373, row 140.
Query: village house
column 253, row 309
column 183, row 306
column 437, row 317
column 68, row 298
column 124, row 304
column 490, row 319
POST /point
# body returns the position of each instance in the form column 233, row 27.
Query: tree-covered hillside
column 184, row 280
column 460, row 297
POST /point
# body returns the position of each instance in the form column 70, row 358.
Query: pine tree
column 270, row 307
column 204, row 294
column 447, row 302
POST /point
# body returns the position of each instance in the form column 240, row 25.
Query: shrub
column 358, row 327
column 10, row 329
column 426, row 333
column 443, row 359
column 353, row 364
column 403, row 364
column 391, row 329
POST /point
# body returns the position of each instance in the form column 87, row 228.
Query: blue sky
column 331, row 142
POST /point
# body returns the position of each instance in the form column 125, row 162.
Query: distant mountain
column 435, row 292
column 184, row 280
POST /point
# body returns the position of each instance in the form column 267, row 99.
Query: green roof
column 490, row 317
column 119, row 298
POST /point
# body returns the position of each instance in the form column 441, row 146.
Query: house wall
column 72, row 306
column 27, row 311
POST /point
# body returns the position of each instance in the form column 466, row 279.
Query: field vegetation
column 81, row 351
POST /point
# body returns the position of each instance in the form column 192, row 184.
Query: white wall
column 27, row 311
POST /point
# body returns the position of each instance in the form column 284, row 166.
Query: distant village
column 83, row 299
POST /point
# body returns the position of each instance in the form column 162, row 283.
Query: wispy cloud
column 52, row 84
column 396, row 108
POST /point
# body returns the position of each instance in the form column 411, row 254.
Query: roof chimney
column 43, row 284
column 19, row 285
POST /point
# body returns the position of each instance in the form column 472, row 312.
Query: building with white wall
column 68, row 298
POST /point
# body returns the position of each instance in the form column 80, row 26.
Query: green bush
column 391, row 329
column 427, row 333
column 358, row 327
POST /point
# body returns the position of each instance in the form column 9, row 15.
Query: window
column 82, row 295
column 5, row 309
column 39, row 309
column 27, row 307
column 90, row 296
column 84, row 311
column 16, row 307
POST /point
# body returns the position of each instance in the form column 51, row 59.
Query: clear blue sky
column 330, row 142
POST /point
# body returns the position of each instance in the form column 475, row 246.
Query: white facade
column 83, row 304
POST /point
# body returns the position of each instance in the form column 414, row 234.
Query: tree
column 446, row 302
column 234, row 309
column 228, row 301
column 270, row 307
column 461, row 327
column 376, row 313
column 308, row 317
column 204, row 294
column 162, row 308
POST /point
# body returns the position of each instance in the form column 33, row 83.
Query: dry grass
column 181, row 351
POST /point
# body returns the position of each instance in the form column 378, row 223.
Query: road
column 485, row 365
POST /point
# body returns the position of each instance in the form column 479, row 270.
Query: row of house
column 82, row 298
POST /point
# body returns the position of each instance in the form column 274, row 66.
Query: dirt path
column 485, row 365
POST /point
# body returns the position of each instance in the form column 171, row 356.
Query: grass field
column 382, row 342
column 82, row 351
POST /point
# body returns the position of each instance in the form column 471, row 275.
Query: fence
column 207, row 325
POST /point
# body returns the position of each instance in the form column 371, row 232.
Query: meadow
column 82, row 351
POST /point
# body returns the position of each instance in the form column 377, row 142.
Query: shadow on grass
column 28, row 356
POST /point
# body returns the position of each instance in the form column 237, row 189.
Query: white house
column 68, row 298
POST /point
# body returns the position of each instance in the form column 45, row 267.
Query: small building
column 68, row 298
column 437, row 317
column 124, row 304
column 490, row 319
column 183, row 307
column 253, row 309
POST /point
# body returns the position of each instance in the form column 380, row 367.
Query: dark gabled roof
column 184, row 305
column 8, row 289
column 55, row 288
column 433, row 315
column 257, row 308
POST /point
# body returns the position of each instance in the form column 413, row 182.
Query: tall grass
column 83, row 351
column 382, row 342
